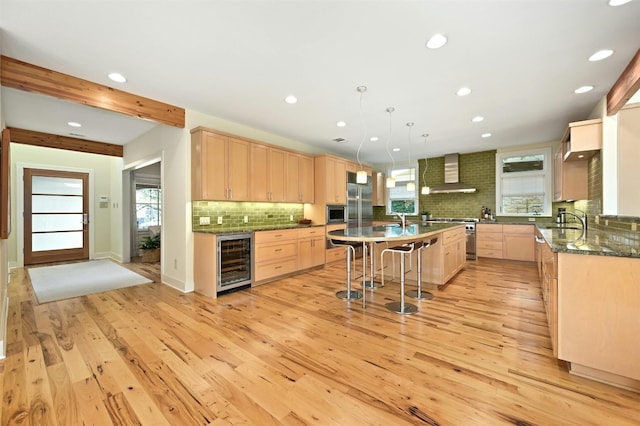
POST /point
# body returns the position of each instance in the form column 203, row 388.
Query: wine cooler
column 235, row 261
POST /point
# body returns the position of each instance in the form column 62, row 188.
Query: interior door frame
column 20, row 205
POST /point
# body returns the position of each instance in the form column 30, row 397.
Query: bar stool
column 348, row 294
column 419, row 294
column 401, row 307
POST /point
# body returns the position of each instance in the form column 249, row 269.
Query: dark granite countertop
column 254, row 228
column 594, row 242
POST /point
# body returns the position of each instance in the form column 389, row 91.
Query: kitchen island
column 591, row 290
column 441, row 262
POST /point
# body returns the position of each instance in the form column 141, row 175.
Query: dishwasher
column 235, row 261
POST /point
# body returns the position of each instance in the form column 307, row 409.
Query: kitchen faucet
column 402, row 217
column 582, row 219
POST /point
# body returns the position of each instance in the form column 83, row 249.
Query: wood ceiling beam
column 627, row 85
column 31, row 78
column 30, row 137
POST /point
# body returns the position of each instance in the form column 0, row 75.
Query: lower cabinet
column 275, row 253
column 205, row 263
column 510, row 242
column 454, row 252
column 311, row 247
column 336, row 253
column 549, row 286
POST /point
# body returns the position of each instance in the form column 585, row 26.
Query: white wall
column 102, row 169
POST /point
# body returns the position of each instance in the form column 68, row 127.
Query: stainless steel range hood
column 451, row 178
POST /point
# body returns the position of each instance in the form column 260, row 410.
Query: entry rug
column 51, row 283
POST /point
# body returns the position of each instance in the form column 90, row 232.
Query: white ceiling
column 238, row 60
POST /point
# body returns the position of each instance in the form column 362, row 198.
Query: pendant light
column 411, row 185
column 391, row 181
column 361, row 175
column 425, row 189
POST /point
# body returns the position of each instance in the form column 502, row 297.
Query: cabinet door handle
column 539, row 240
column 230, row 194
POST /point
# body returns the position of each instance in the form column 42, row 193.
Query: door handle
column 85, row 219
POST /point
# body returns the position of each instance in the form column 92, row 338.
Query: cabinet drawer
column 311, row 232
column 490, row 245
column 266, row 270
column 335, row 254
column 485, row 252
column 273, row 236
column 275, row 251
column 453, row 235
column 482, row 228
column 491, row 237
column 518, row 229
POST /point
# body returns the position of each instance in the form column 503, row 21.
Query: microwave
column 336, row 214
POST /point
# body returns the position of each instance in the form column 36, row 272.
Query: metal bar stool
column 348, row 294
column 419, row 294
column 401, row 307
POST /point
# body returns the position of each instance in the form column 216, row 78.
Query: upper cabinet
column 219, row 167
column 331, row 180
column 570, row 180
column 582, row 139
column 299, row 182
column 267, row 173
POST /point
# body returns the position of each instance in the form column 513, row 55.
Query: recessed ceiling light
column 74, row 124
column 600, row 55
column 583, row 89
column 477, row 119
column 341, row 124
column 396, row 149
column 291, row 99
column 463, row 91
column 374, row 139
column 436, row 41
column 485, row 135
column 581, row 156
column 618, row 2
column 117, row 77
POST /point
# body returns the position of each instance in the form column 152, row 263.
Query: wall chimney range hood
column 451, row 178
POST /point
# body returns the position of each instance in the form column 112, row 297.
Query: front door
column 56, row 208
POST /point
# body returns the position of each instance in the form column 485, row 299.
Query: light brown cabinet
column 489, row 240
column 518, row 242
column 335, row 253
column 205, row 264
column 275, row 253
column 267, row 173
column 331, row 180
column 582, row 139
column 219, row 167
column 510, row 242
column 454, row 252
column 299, row 179
column 548, row 270
column 379, row 196
column 311, row 247
column 570, row 178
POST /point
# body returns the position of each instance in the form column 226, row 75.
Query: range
column 470, row 230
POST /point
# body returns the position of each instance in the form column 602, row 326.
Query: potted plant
column 425, row 215
column 151, row 248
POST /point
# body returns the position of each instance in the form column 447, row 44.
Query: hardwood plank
column 290, row 352
column 32, row 78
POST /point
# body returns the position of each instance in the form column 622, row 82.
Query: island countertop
column 393, row 232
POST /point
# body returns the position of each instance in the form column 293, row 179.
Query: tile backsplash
column 233, row 213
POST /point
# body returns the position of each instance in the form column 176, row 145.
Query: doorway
column 56, row 216
column 146, row 212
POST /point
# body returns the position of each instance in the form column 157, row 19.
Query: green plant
column 150, row 242
column 425, row 213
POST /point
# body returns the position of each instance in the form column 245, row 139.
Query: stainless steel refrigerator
column 359, row 202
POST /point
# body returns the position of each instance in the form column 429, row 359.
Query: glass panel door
column 56, row 216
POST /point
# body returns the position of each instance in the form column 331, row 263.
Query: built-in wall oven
column 235, row 261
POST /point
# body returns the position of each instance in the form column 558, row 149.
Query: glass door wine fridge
column 235, row 260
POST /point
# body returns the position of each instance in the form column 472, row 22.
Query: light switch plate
column 205, row 220
column 246, row 219
column 219, row 220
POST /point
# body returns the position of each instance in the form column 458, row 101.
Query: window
column 399, row 200
column 148, row 205
column 523, row 183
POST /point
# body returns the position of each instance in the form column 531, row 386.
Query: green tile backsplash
column 259, row 214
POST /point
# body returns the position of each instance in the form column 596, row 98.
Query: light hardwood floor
column 290, row 352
